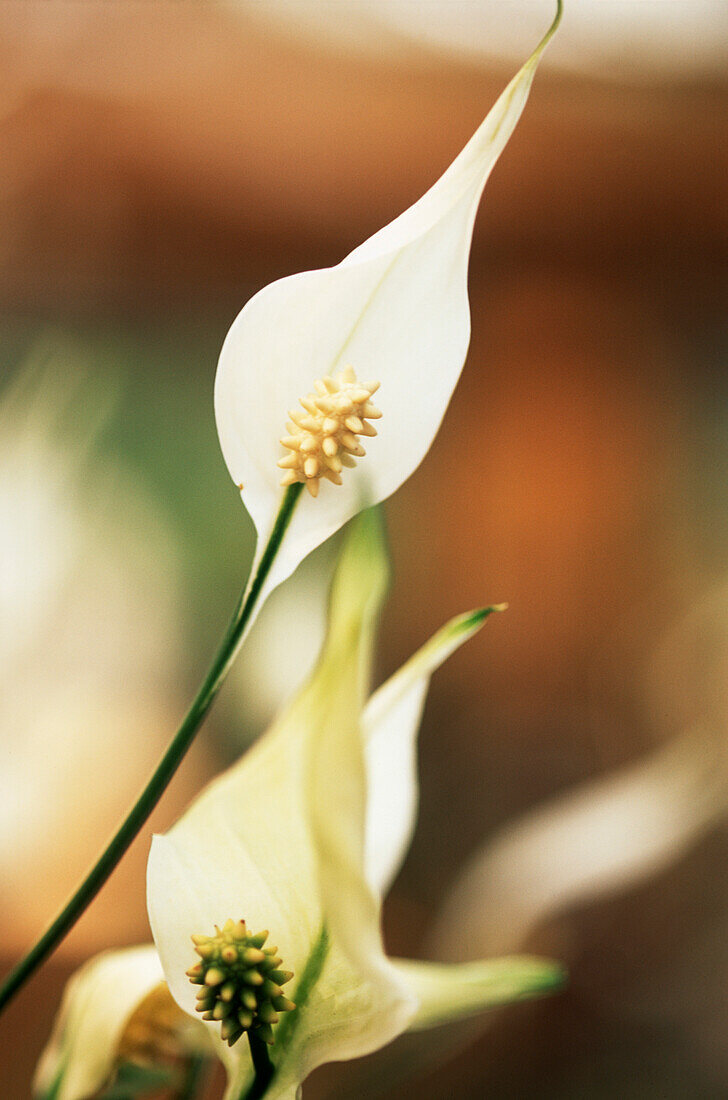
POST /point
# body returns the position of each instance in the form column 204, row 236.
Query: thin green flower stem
column 166, row 768
column 263, row 1068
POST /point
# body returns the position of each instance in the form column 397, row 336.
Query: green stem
column 166, row 768
column 262, row 1065
column 286, row 1028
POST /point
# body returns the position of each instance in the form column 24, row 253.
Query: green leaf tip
column 368, row 526
column 364, row 561
column 523, row 977
column 365, row 547
column 471, row 621
column 549, row 976
column 456, row 991
column 359, row 584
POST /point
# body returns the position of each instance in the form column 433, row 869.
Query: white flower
column 116, row 1007
column 301, row 838
column 396, row 311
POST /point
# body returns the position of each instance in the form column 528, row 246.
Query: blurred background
column 164, row 159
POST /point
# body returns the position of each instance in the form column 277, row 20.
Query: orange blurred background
column 160, row 162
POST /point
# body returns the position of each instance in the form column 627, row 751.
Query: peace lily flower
column 116, row 1012
column 392, row 316
column 295, row 846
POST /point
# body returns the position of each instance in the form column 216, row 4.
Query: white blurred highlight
column 88, row 639
column 687, row 682
column 606, row 836
column 615, row 39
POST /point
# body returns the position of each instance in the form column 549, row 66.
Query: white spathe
column 97, row 1005
column 302, row 835
column 97, row 1018
column 396, row 309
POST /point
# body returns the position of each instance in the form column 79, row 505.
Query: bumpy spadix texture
column 397, row 309
column 152, row 1031
column 323, row 438
column 241, row 981
column 115, row 1009
column 314, row 868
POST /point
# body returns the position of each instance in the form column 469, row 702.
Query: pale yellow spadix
column 303, row 836
column 115, row 1003
column 395, row 310
column 323, row 437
